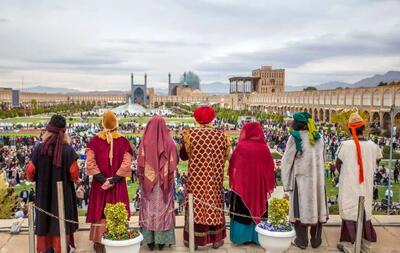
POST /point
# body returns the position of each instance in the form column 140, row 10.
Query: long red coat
column 119, row 193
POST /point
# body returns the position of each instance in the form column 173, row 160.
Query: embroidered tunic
column 207, row 150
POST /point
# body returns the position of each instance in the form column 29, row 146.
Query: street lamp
column 392, row 109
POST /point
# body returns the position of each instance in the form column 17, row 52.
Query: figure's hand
column 107, row 185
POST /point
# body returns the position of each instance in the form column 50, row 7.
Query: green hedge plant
column 117, row 223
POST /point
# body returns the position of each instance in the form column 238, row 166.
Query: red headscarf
column 353, row 127
column 251, row 170
column 157, row 158
column 54, row 144
column 204, row 114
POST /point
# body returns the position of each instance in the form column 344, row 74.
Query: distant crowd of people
column 99, row 163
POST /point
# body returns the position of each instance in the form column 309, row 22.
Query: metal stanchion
column 360, row 223
column 191, row 224
column 31, row 228
column 61, row 216
column 389, row 187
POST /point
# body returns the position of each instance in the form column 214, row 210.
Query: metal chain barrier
column 236, row 214
column 227, row 211
column 165, row 212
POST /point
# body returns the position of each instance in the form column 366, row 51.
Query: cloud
column 294, row 54
column 79, row 61
column 158, row 43
column 98, row 39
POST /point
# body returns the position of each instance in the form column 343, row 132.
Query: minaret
column 145, row 88
column 169, row 78
column 184, row 78
column 131, row 98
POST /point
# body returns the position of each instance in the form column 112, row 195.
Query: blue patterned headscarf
column 313, row 134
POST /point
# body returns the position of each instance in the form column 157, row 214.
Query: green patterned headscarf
column 313, row 134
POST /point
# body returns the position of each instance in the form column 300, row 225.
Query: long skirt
column 97, row 232
column 243, row 233
column 164, row 237
column 157, row 217
column 204, row 234
column 242, row 228
column 45, row 243
column 349, row 230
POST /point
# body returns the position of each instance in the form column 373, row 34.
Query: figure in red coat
column 109, row 157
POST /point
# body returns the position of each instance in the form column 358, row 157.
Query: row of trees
column 341, row 119
column 388, row 84
column 232, row 116
column 34, row 110
column 270, row 116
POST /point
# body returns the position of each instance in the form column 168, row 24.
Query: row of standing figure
column 109, row 158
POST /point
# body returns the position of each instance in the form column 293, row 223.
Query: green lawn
column 33, row 120
column 18, row 134
column 182, row 167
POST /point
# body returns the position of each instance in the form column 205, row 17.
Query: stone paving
column 388, row 238
column 388, row 241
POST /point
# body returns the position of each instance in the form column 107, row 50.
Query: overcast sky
column 97, row 44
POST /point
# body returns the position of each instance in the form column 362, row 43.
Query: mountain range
column 373, row 81
column 376, row 79
column 47, row 89
column 322, row 86
column 219, row 88
column 215, row 88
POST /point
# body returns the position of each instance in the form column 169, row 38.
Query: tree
column 191, row 80
column 382, row 84
column 7, row 200
column 342, row 119
column 34, row 103
column 310, row 88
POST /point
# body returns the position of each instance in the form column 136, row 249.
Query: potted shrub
column 276, row 234
column 118, row 237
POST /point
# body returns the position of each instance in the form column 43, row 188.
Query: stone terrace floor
column 388, row 239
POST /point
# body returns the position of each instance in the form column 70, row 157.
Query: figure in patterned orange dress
column 206, row 149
